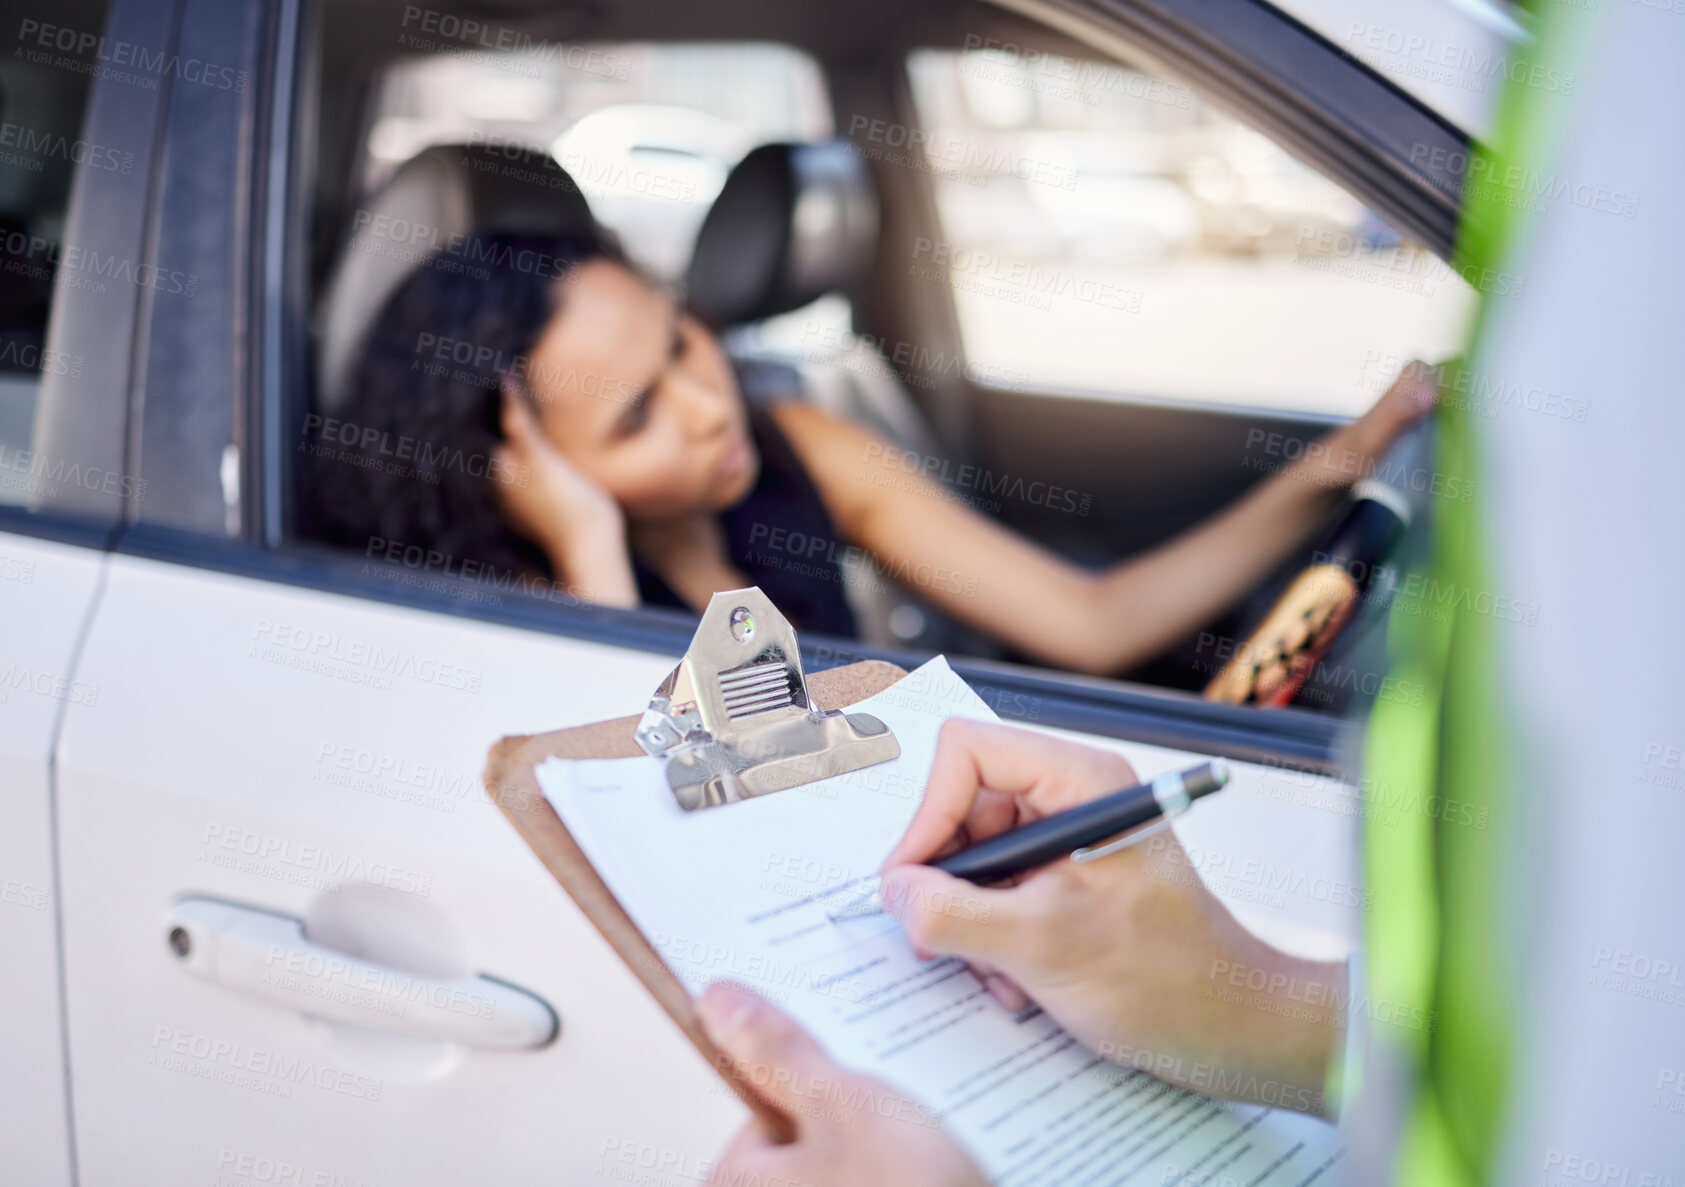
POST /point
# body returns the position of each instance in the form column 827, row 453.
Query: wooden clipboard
column 512, row 782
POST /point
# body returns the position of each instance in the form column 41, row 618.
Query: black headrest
column 434, row 199
column 792, row 223
column 513, row 187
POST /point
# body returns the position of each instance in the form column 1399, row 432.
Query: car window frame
column 261, row 550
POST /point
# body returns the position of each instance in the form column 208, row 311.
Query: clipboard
column 511, row 779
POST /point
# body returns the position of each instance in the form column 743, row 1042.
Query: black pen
column 1069, row 833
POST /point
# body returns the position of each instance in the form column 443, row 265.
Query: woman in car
column 542, row 407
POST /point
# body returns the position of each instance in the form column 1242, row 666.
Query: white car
column 203, row 715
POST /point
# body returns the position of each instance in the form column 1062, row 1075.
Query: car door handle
column 267, row 956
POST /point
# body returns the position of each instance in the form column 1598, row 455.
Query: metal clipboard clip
column 734, row 720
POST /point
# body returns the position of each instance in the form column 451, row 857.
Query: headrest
column 432, row 203
column 792, row 223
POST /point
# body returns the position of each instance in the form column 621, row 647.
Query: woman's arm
column 1063, row 614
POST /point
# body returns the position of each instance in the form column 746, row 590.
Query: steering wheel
column 1322, row 603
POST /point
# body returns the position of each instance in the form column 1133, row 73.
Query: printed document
column 743, row 892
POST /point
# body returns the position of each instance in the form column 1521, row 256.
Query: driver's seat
column 437, row 198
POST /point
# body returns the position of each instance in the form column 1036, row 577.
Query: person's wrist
column 587, row 535
column 1300, row 1029
column 1372, row 435
column 604, row 530
column 1411, row 398
column 593, row 560
column 1283, row 1020
column 1348, row 454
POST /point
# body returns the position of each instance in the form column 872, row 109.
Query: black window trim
column 278, row 281
column 58, row 527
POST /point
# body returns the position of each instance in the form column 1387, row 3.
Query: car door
column 299, row 942
column 47, row 589
column 276, row 751
column 297, row 935
column 70, row 175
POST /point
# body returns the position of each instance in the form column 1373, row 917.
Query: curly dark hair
column 408, row 456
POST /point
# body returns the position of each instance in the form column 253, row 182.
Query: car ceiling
column 365, row 31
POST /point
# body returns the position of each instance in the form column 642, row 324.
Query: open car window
column 1153, row 307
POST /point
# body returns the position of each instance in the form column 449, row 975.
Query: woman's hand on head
column 1131, row 953
column 552, row 502
column 547, row 498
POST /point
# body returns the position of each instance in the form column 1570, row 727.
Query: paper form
column 743, row 892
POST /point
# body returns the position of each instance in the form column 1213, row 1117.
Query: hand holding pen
column 1119, row 819
column 1131, row 954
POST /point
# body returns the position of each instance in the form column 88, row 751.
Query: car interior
column 763, row 159
column 40, row 108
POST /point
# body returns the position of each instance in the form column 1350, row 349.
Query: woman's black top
column 780, row 535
